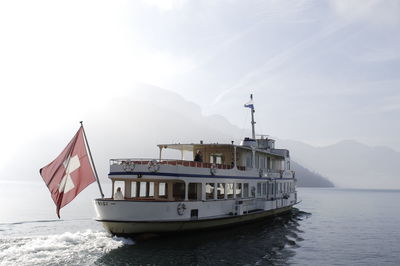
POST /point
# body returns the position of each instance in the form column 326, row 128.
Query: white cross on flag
column 69, row 173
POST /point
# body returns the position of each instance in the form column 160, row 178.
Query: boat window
column 249, row 162
column 238, row 190
column 162, row 190
column 257, row 161
column 264, row 188
column 133, row 189
column 245, row 190
column 262, row 162
column 119, row 184
column 220, row 191
column 143, row 190
column 216, row 158
column 179, row 191
column 151, row 189
column 253, row 191
column 210, row 191
column 194, row 214
column 269, row 164
column 258, row 189
column 229, row 191
column 194, row 192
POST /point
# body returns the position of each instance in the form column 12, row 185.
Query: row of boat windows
column 243, row 190
column 261, row 161
column 213, row 191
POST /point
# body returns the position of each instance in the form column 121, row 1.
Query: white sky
column 320, row 71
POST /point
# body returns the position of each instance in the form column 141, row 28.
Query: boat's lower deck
column 123, row 228
column 172, row 203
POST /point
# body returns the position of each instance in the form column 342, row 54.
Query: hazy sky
column 320, row 71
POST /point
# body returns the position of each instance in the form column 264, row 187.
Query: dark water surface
column 257, row 243
column 329, row 227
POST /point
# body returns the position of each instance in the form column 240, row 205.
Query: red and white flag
column 69, row 173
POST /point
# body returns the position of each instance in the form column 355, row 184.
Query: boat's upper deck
column 212, row 159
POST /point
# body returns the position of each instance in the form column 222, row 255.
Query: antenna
column 253, row 131
column 250, row 105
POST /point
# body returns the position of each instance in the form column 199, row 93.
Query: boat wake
column 79, row 248
column 32, row 222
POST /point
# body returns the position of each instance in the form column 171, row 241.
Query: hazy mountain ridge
column 131, row 126
column 349, row 163
column 128, row 126
column 307, row 178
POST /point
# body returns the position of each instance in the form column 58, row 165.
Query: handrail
column 145, row 161
column 186, row 163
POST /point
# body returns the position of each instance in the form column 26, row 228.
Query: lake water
column 329, row 227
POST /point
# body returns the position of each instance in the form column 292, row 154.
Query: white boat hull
column 130, row 227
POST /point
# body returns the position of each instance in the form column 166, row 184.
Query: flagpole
column 91, row 159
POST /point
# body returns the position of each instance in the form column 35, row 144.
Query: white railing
column 132, row 162
column 146, row 161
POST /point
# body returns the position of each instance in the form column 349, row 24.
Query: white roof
column 190, row 147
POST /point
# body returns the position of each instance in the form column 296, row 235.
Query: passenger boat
column 219, row 185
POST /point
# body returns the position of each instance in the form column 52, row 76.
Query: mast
column 253, row 131
column 91, row 159
column 250, row 105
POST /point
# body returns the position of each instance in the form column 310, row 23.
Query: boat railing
column 147, row 161
column 132, row 162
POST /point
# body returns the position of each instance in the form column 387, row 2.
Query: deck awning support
column 160, row 152
column 234, row 157
column 182, row 153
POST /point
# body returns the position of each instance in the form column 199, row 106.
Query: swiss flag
column 69, row 173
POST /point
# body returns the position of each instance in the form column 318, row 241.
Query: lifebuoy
column 128, row 166
column 153, row 166
column 181, row 208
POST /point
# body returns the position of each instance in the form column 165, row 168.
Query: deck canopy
column 192, row 147
column 230, row 155
column 180, row 147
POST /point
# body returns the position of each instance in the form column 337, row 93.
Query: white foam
column 67, row 248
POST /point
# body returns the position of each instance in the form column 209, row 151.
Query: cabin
column 210, row 173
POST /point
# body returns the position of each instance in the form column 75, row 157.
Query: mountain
column 131, row 126
column 349, row 163
column 307, row 178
